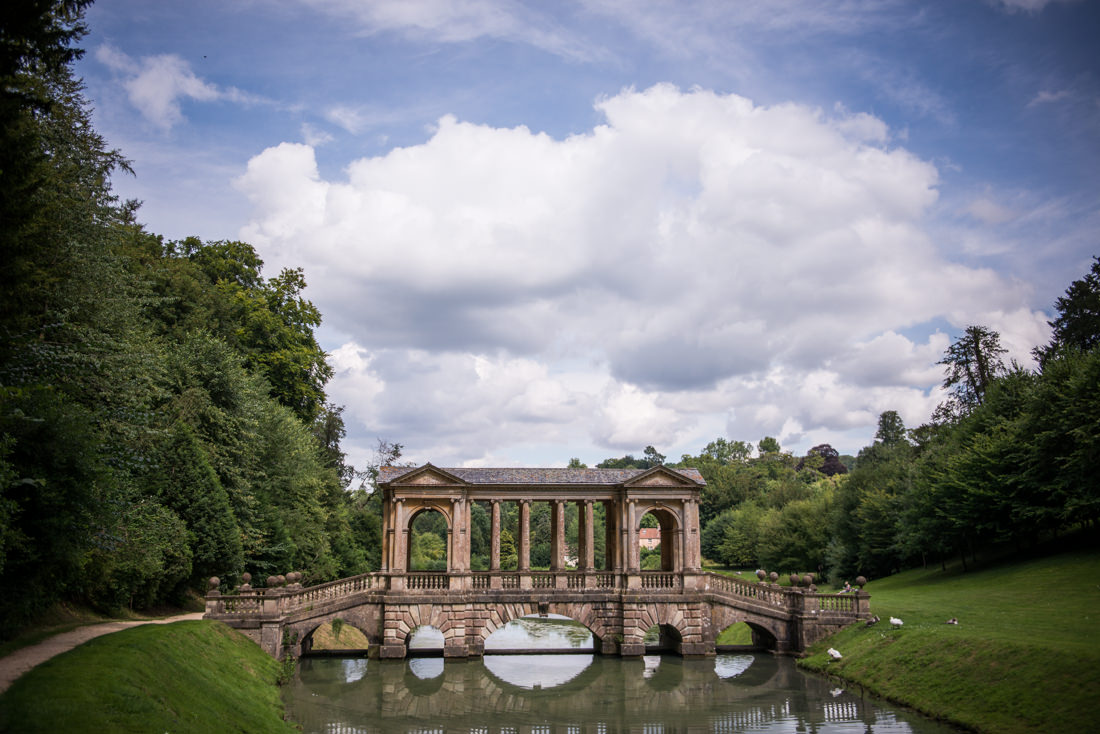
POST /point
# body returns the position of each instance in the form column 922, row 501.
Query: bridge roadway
column 690, row 609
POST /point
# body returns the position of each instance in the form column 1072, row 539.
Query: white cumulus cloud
column 695, row 259
column 155, row 85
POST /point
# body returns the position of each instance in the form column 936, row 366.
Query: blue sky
column 557, row 229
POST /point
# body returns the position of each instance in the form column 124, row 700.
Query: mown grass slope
column 1024, row 657
column 183, row 677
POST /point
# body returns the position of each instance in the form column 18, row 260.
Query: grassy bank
column 1024, row 657
column 184, row 677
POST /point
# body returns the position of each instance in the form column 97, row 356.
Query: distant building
column 649, row 538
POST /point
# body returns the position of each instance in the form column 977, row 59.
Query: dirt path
column 20, row 661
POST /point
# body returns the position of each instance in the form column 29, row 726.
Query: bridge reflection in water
column 581, row 693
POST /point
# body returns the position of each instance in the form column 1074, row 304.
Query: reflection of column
column 525, row 535
column 557, row 556
column 494, row 552
column 588, row 542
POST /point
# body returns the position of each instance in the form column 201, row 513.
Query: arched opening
column 551, row 632
column 662, row 638
column 425, row 641
column 745, row 636
column 334, row 637
column 428, row 547
column 657, row 539
column 738, row 634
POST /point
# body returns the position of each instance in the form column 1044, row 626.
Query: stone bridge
column 618, row 603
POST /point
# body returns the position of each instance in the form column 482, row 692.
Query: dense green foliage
column 162, row 407
column 1022, row 658
column 182, row 677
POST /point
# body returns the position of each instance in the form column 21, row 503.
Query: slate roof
column 535, row 476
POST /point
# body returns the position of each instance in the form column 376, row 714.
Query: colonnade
column 671, row 497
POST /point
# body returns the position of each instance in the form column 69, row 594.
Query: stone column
column 494, row 552
column 557, row 524
column 454, row 540
column 610, row 537
column 632, row 559
column 693, row 556
column 401, row 535
column 587, row 553
column 525, row 535
column 387, row 534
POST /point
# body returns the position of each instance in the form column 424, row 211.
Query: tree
column 825, row 459
column 1078, row 323
column 727, row 452
column 973, row 361
column 575, row 463
column 891, row 429
column 653, row 457
column 768, row 445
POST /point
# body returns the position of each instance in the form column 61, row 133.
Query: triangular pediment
column 426, row 476
column 660, row 476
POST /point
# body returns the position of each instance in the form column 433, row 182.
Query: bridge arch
column 767, row 633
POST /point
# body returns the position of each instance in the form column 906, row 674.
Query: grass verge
column 183, row 677
column 1024, row 656
column 63, row 617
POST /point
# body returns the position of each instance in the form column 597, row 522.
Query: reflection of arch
column 670, row 523
column 417, row 512
column 667, row 676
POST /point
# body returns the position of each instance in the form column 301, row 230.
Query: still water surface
column 581, row 693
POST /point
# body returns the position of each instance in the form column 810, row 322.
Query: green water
column 582, row 693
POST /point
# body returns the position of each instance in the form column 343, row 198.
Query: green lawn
column 183, row 677
column 1025, row 656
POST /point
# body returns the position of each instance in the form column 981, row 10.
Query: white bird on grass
column 834, row 653
column 894, row 621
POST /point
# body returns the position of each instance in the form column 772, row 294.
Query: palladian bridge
column 618, row 603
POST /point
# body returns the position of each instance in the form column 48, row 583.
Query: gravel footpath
column 20, row 661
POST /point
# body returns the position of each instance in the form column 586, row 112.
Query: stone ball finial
column 293, row 577
column 246, row 577
column 794, row 579
column 761, row 574
column 214, row 582
column 773, row 576
column 808, row 579
column 272, row 582
column 280, row 580
column 861, row 581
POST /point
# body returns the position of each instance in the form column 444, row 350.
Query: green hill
column 1024, row 656
column 183, row 677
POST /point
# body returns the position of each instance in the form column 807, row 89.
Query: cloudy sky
column 539, row 230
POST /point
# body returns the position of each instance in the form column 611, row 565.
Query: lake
column 580, row 692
